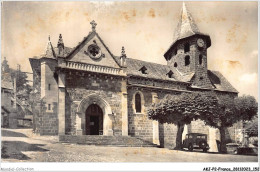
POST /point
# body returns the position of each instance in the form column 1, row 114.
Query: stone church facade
column 87, row 90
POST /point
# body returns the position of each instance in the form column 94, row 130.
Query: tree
column 247, row 107
column 22, row 84
column 181, row 109
column 227, row 111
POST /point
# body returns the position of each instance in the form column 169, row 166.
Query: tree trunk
column 179, row 136
column 223, row 148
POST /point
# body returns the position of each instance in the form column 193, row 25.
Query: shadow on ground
column 7, row 133
column 198, row 151
column 14, row 149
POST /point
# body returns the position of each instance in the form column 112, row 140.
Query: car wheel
column 203, row 144
column 205, row 150
column 190, row 147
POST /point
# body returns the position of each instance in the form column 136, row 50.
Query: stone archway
column 81, row 117
column 94, row 120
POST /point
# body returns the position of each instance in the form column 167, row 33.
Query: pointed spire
column 49, row 50
column 186, row 26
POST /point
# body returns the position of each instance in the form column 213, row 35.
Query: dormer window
column 143, row 70
column 186, row 47
column 170, row 74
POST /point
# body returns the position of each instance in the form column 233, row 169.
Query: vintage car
column 196, row 141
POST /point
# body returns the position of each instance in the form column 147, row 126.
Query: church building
column 87, row 90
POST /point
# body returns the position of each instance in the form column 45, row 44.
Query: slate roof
column 67, row 51
column 220, row 82
column 159, row 71
column 6, row 81
column 186, row 26
column 154, row 70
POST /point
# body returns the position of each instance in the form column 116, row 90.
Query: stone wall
column 167, row 135
column 46, row 122
column 45, row 110
column 107, row 87
column 139, row 124
column 201, row 77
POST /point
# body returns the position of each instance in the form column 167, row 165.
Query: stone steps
column 123, row 141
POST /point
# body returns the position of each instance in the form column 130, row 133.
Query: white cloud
column 248, row 78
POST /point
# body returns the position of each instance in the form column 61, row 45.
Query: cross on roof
column 94, row 24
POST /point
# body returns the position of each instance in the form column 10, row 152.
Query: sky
column 145, row 29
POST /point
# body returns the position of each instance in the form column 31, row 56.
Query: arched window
column 186, row 47
column 200, row 59
column 138, row 103
column 187, row 60
column 175, row 64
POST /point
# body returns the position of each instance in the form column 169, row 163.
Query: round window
column 94, row 51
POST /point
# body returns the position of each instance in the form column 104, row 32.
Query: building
column 8, row 112
column 87, row 90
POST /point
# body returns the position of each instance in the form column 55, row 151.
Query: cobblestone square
column 21, row 145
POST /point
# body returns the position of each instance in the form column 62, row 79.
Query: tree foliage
column 228, row 111
column 181, row 109
column 22, row 84
column 220, row 111
column 247, row 107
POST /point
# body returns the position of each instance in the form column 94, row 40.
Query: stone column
column 109, row 125
column 212, row 139
column 78, row 124
column 61, row 106
column 124, row 109
column 155, row 123
column 185, row 131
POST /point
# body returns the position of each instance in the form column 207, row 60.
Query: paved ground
column 21, row 145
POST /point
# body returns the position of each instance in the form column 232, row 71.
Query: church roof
column 67, row 50
column 186, row 27
column 159, row 71
column 153, row 70
column 220, row 82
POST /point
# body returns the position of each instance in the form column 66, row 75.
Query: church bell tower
column 188, row 53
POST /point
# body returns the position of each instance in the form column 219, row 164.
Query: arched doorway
column 81, row 122
column 94, row 120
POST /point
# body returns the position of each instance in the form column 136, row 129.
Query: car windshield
column 201, row 137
